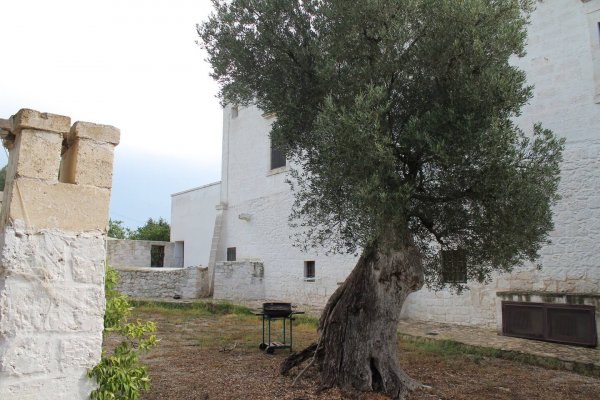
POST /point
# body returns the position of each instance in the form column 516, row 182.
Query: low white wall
column 136, row 253
column 239, row 280
column 188, row 283
column 193, row 215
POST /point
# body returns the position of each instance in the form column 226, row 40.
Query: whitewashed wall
column 563, row 42
column 239, row 280
column 193, row 215
column 136, row 253
column 251, row 188
column 559, row 62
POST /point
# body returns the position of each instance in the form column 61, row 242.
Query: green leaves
column 120, row 375
column 152, row 230
column 398, row 115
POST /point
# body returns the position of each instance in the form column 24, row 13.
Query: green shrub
column 120, row 375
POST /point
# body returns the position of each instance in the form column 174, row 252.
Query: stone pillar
column 52, row 232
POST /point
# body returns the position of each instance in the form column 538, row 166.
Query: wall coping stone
column 509, row 293
column 32, row 119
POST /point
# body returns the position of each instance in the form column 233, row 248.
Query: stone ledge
column 97, row 132
column 544, row 294
column 152, row 269
column 32, row 119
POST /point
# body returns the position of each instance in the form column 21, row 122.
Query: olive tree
column 398, row 116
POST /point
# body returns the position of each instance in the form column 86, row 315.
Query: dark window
column 231, row 254
column 454, row 266
column 309, row 271
column 277, row 158
column 157, row 256
column 234, row 112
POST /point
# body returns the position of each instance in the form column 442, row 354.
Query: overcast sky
column 133, row 64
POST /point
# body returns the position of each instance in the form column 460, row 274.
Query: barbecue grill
column 272, row 312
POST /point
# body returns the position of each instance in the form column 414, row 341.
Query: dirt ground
column 209, row 357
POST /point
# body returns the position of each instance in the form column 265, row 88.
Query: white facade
column 193, row 215
column 563, row 45
column 256, row 202
column 563, row 63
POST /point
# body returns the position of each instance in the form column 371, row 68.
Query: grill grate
column 277, row 309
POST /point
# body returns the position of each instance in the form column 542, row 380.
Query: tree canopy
column 159, row 230
column 398, row 115
column 153, row 230
column 116, row 230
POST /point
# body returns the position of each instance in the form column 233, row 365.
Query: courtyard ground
column 211, row 352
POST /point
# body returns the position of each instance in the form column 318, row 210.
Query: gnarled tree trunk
column 357, row 349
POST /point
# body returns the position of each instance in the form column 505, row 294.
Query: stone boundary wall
column 52, row 255
column 239, row 280
column 136, row 253
column 186, row 283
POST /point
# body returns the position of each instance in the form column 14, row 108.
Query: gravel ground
column 217, row 357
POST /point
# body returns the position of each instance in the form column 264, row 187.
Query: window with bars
column 309, row 271
column 454, row 266
column 157, row 256
column 231, row 253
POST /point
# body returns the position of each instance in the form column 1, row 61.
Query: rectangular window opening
column 157, row 256
column 277, row 158
column 309, row 271
column 234, row 111
column 454, row 266
column 231, row 254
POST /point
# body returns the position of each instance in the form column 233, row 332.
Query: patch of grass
column 304, row 319
column 194, row 307
column 451, row 349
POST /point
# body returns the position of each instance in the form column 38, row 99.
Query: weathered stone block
column 28, row 307
column 53, row 256
column 38, row 154
column 68, row 385
column 90, row 163
column 81, row 351
column 99, row 133
column 32, row 119
column 28, row 355
column 59, row 205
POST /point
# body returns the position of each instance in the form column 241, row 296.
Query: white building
column 247, row 211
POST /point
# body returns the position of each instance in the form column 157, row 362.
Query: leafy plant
column 116, row 229
column 120, row 374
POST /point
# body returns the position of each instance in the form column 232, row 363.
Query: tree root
column 298, row 358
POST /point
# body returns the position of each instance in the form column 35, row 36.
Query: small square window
column 454, row 266
column 231, row 254
column 277, row 158
column 309, row 271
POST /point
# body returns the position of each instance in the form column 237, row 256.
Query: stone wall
column 185, row 283
column 239, row 280
column 136, row 253
column 52, row 255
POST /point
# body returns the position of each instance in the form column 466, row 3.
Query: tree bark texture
column 357, row 349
